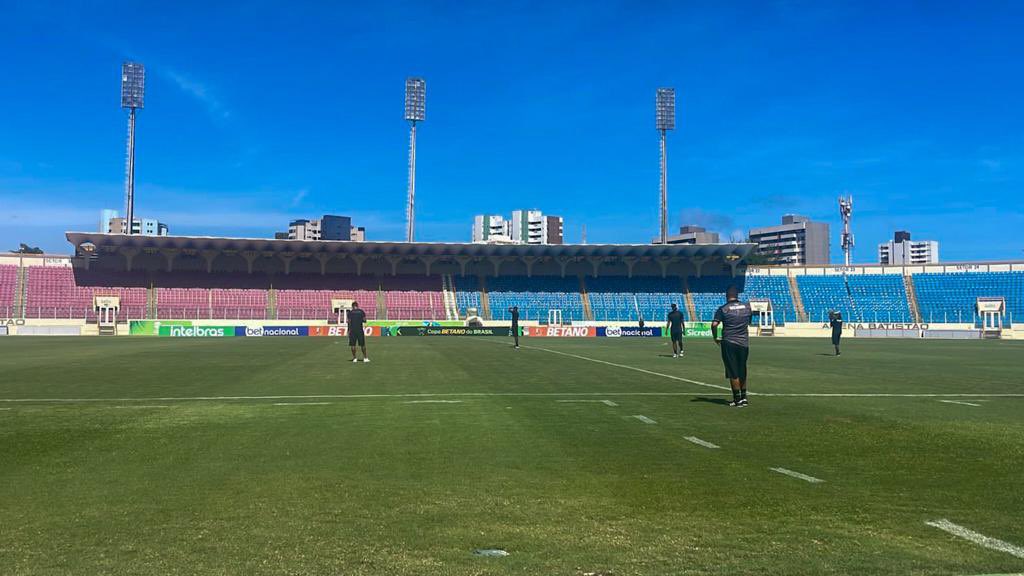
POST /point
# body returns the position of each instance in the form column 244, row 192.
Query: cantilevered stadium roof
column 115, row 242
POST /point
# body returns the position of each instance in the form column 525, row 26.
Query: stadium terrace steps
column 915, row 310
column 691, row 309
column 588, row 313
column 798, row 301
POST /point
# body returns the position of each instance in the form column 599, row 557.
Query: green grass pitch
column 279, row 456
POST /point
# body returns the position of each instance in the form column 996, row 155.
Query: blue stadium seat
column 618, row 298
column 467, row 294
column 708, row 294
column 951, row 296
column 860, row 297
column 535, row 296
column 821, row 294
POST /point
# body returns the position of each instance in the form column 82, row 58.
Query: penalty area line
column 700, row 442
column 798, row 475
column 960, row 402
column 977, row 538
column 626, row 367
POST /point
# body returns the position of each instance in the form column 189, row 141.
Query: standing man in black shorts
column 835, row 321
column 676, row 326
column 514, row 311
column 356, row 319
column 734, row 316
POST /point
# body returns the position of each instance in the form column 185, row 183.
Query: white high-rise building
column 902, row 250
column 533, row 227
column 525, row 227
column 112, row 223
column 491, row 229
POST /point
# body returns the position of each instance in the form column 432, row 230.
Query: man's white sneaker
column 355, row 360
column 675, row 355
column 366, row 359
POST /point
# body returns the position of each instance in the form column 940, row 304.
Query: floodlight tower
column 415, row 111
column 133, row 89
column 846, row 240
column 665, row 120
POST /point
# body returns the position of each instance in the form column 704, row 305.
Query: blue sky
column 259, row 112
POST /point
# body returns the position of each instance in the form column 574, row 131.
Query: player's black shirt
column 735, row 317
column 675, row 321
column 515, row 317
column 356, row 319
column 837, row 326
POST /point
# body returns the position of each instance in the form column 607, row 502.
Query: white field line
column 475, row 395
column 144, row 406
column 644, row 419
column 793, row 474
column 634, row 368
column 301, row 403
column 961, row 403
column 433, row 402
column 700, row 442
column 608, row 403
column 979, row 539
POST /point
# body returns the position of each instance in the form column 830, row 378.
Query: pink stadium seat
column 8, row 286
column 61, row 292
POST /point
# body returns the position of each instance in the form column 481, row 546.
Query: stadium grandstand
column 247, row 279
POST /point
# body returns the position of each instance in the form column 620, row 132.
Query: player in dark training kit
column 734, row 317
column 835, row 321
column 356, row 336
column 514, row 311
column 676, row 326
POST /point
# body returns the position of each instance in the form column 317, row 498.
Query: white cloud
column 200, row 92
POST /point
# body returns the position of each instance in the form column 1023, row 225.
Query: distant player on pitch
column 514, row 311
column 734, row 317
column 835, row 321
column 356, row 319
column 676, row 326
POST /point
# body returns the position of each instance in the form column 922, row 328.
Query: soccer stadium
column 314, row 402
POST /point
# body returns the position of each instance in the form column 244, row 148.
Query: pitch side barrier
column 383, row 328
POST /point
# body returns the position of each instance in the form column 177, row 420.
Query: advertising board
column 178, row 331
column 561, row 331
column 152, row 327
column 337, row 331
column 629, row 332
column 259, row 331
column 451, row 331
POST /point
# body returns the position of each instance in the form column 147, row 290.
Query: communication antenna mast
column 133, row 90
column 846, row 211
column 415, row 111
column 665, row 120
